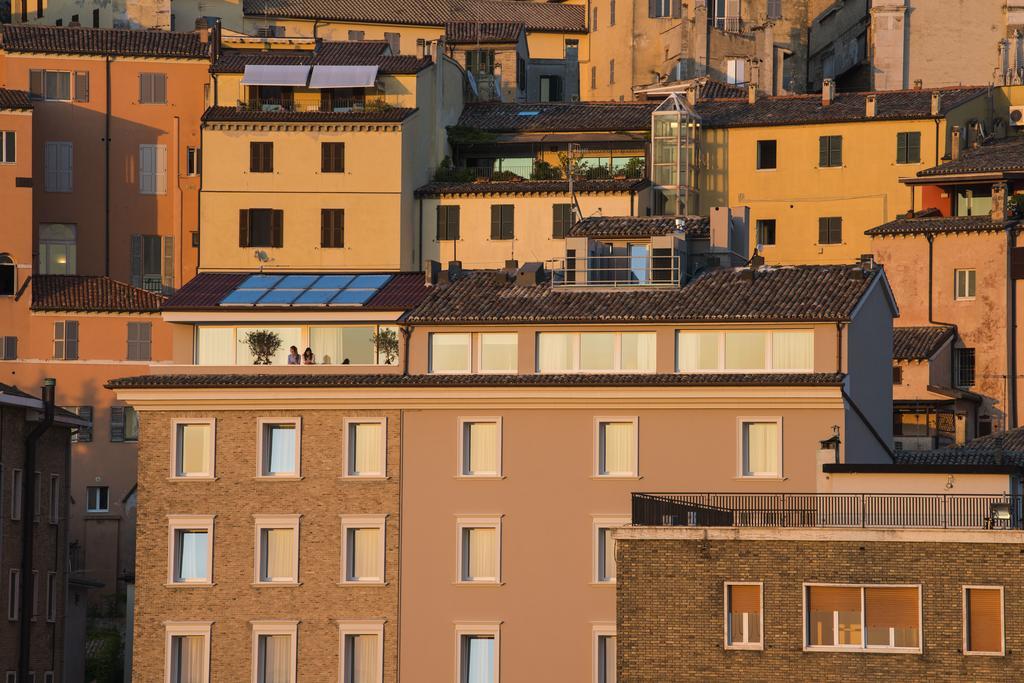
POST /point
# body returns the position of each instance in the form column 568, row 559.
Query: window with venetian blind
column 616, row 448
column 743, row 613
column 365, row 448
column 863, row 617
column 481, row 448
column 983, row 620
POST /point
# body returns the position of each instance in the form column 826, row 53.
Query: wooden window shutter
column 10, row 348
column 984, row 620
column 268, row 157
column 84, row 433
column 81, row 86
column 833, row 599
column 35, row 83
column 71, row 340
column 495, row 221
column 325, row 157
column 58, row 340
column 159, row 88
column 135, row 243
column 117, row 423
column 677, row 9
column 442, row 229
column 732, row 8
column 168, row 265
column 822, row 231
column 745, row 599
column 453, row 222
column 508, row 218
column 277, row 228
column 823, row 151
column 244, row 233
column 325, row 227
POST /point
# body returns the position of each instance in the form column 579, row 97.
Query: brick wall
column 671, row 613
column 321, row 497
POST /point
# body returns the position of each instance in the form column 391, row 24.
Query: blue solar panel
column 369, row 281
column 354, row 296
column 260, row 282
column 334, row 282
column 243, row 296
column 280, row 296
column 296, row 282
column 316, row 297
column 306, row 290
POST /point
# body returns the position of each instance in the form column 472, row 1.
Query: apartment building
column 312, row 154
column 34, row 469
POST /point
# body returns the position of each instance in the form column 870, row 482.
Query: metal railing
column 617, row 271
column 375, row 103
column 531, row 170
column 837, row 510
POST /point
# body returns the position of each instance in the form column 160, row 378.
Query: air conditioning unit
column 1017, row 116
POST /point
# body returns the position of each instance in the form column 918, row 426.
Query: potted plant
column 263, row 344
column 386, row 344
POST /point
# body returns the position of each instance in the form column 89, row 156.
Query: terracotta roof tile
column 785, row 293
column 542, row 117
column 439, row 188
column 919, row 343
column 931, row 225
column 240, row 114
column 340, row 53
column 304, row 379
column 14, row 99
column 102, row 41
column 472, row 32
column 639, row 226
column 1001, row 448
column 996, row 156
column 90, row 293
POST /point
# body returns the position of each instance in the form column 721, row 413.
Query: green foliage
column 446, row 172
column 1015, row 206
column 386, row 343
column 105, row 657
column 263, row 344
column 466, row 135
column 636, row 167
column 596, row 173
column 506, row 176
column 542, row 170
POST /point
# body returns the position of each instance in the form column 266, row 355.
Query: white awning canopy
column 262, row 74
column 343, row 77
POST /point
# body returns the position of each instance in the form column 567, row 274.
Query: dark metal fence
column 868, row 510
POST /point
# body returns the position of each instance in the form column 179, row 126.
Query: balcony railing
column 531, row 170
column 376, row 103
column 835, row 510
column 617, row 271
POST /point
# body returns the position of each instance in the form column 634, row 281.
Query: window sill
column 290, row 477
column 867, row 650
column 190, row 585
column 766, row 169
column 749, row 648
column 984, row 654
column 276, row 584
column 492, row 477
column 478, row 583
column 766, row 478
column 612, row 584
column 616, row 477
column 363, row 477
column 192, row 478
column 371, row 584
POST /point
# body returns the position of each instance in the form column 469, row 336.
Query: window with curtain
column 743, row 607
column 277, row 555
column 188, row 655
column 638, row 352
column 499, row 352
column 793, row 350
column 343, row 345
column 362, row 658
column 477, row 659
column 606, row 647
column 556, row 352
column 480, row 449
column 560, row 352
column 872, row 617
column 698, row 351
column 761, row 449
column 480, row 553
column 290, row 336
column 745, row 350
column 983, row 625
column 616, row 449
column 366, row 449
column 280, row 450
column 192, row 553
column 193, row 450
column 597, row 351
column 274, row 659
column 215, row 346
column 449, row 353
column 363, row 554
column 605, row 555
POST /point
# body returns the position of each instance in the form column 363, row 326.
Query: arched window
column 8, row 276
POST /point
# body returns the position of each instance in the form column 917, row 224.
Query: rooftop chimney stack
column 421, row 47
column 954, row 143
column 431, row 269
column 999, row 196
column 936, row 102
column 828, row 92
column 751, row 93
column 918, row 84
column 870, row 106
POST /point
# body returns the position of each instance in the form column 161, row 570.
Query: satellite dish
column 262, row 256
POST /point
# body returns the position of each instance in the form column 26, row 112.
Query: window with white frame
column 479, row 544
column 279, row 447
column 277, row 549
column 8, row 147
column 744, row 617
column 760, row 447
column 605, row 642
column 362, row 548
column 499, row 352
column 965, row 284
column 97, row 499
column 187, row 651
column 192, row 448
column 274, row 648
column 561, row 352
column 190, row 549
column 745, row 351
column 58, row 249
column 735, row 70
column 983, row 621
column 55, row 499
column 604, row 547
column 886, row 618
column 449, row 352
column 152, row 169
column 366, row 448
column 51, row 596
column 480, row 447
column 478, row 652
column 616, row 447
column 362, row 651
column 58, row 166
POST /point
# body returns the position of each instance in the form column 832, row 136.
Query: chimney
column 870, row 106
column 692, row 95
column 751, row 93
column 421, row 47
column 511, row 264
column 998, row 213
column 954, row 143
column 530, row 274
column 454, row 270
column 918, row 84
column 431, row 269
column 828, row 91
column 867, row 262
column 936, row 102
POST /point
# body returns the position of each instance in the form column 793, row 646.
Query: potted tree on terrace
column 386, row 344
column 263, row 344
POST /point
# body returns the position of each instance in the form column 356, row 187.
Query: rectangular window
column 51, row 596
column 897, row 375
column 190, row 549
column 55, row 499
column 50, row 85
column 499, row 352
column 604, row 547
column 593, row 77
column 362, row 548
column 561, row 220
column 261, row 228
column 65, row 340
column 479, row 543
column 569, row 352
column 963, row 367
column 983, row 621
column 192, row 161
column 735, row 71
column 58, row 167
column 124, row 424
column 152, row 169
column 152, row 88
column 863, row 617
column 97, row 499
column 611, row 72
column 593, row 20
column 449, row 353
column 355, row 35
column 447, row 223
column 81, row 86
column 362, row 652
column 274, row 651
column 193, row 449
column 761, row 447
column 964, row 284
column 332, row 157
column 332, row 228
column 659, row 8
column 8, row 147
column 14, row 595
column 766, row 232
column 17, row 486
column 394, row 41
column 616, row 446
column 478, row 654
column 280, row 443
column 503, row 221
column 480, row 447
column 611, row 12
column 140, row 341
column 261, row 157
column 188, row 652
column 605, row 647
column 152, row 262
column 8, row 348
column 366, row 448
column 767, row 154
column 908, row 148
column 830, row 151
column 277, row 549
column 57, row 249
column 744, row 617
column 830, row 230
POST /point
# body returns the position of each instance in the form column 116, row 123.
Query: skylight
column 305, row 290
